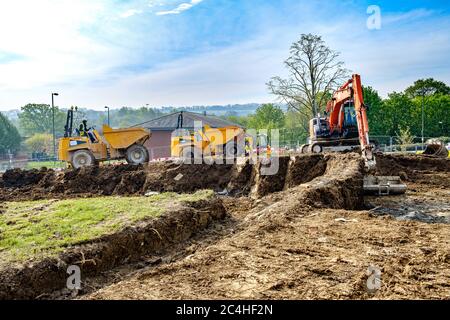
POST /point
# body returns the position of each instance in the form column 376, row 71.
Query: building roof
column 170, row 121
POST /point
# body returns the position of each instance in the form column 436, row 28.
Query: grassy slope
column 41, row 228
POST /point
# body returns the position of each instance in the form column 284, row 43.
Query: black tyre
column 82, row 158
column 304, row 148
column 315, row 148
column 137, row 154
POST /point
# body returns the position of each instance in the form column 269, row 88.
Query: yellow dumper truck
column 89, row 147
column 227, row 141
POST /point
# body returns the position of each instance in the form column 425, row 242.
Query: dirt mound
column 266, row 184
column 415, row 168
column 107, row 252
column 394, row 164
column 171, row 176
column 340, row 187
column 305, row 168
column 240, row 180
column 16, row 178
column 112, row 180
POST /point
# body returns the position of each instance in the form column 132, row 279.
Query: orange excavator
column 345, row 124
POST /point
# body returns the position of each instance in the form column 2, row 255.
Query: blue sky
column 200, row 52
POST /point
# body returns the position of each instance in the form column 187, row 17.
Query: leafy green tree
column 405, row 138
column 436, row 115
column 396, row 113
column 9, row 136
column 375, row 111
column 267, row 116
column 40, row 142
column 37, row 118
column 427, row 87
column 241, row 120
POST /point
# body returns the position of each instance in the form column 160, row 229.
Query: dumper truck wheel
column 137, row 154
column 190, row 155
column 315, row 148
column 231, row 149
column 304, row 148
column 82, row 158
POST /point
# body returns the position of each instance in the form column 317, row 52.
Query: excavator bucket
column 436, row 148
column 383, row 185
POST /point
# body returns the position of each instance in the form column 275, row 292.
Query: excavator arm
column 352, row 90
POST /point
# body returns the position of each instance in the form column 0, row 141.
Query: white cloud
column 407, row 16
column 182, row 7
column 130, row 13
column 47, row 36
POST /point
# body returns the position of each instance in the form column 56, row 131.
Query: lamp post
column 53, row 123
column 109, row 124
column 423, row 116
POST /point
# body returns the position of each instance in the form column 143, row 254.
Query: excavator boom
column 351, row 91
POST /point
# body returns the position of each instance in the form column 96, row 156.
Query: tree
column 9, row 136
column 241, row 120
column 405, row 138
column 314, row 73
column 427, row 87
column 40, row 142
column 436, row 115
column 267, row 116
column 37, row 118
column 397, row 112
column 375, row 111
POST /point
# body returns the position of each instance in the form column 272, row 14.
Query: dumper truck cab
column 89, row 147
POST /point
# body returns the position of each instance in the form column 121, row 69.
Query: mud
column 305, row 233
column 131, row 244
column 238, row 180
column 305, row 243
column 112, row 180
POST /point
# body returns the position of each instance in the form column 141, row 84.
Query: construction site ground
column 307, row 232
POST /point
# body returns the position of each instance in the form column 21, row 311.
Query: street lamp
column 423, row 116
column 109, row 124
column 53, row 123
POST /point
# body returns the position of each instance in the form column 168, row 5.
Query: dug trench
column 266, row 204
column 299, row 243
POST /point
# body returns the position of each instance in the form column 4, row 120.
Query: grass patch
column 36, row 229
column 46, row 164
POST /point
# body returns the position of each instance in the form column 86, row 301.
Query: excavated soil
column 112, row 180
column 39, row 278
column 242, row 179
column 304, row 243
column 306, row 232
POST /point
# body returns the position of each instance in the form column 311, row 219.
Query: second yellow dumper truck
column 228, row 141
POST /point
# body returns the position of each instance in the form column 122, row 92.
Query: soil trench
column 262, row 225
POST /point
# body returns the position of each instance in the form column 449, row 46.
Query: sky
column 116, row 53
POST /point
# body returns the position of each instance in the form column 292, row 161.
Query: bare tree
column 314, row 73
